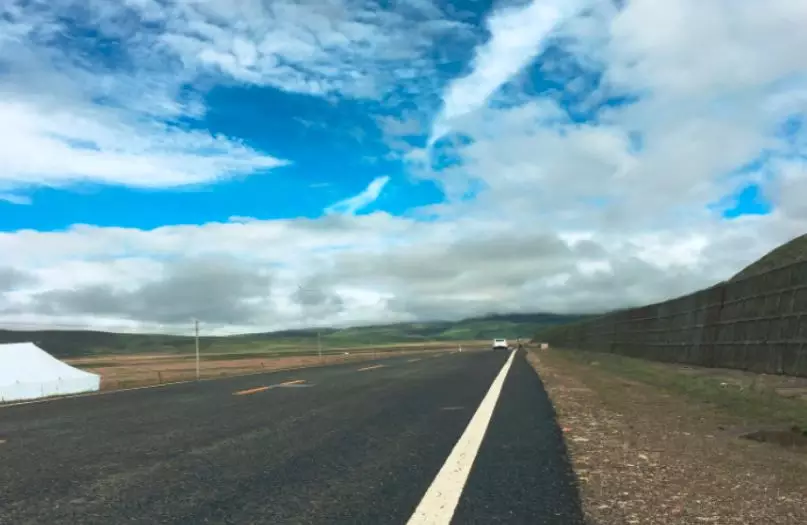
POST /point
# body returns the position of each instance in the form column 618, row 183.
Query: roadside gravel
column 646, row 456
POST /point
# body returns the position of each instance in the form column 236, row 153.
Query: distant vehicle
column 500, row 344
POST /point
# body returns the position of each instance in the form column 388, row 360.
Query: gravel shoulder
column 652, row 451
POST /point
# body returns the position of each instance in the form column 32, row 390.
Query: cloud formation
column 114, row 93
column 591, row 151
column 213, row 290
column 517, row 36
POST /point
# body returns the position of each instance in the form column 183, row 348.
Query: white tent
column 28, row 372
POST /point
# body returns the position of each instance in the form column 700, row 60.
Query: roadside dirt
column 132, row 373
column 645, row 456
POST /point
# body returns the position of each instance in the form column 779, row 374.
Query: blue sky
column 159, row 129
column 334, row 143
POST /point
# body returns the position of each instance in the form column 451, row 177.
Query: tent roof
column 27, row 363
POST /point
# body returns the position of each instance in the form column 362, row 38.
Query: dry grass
column 650, row 455
column 142, row 370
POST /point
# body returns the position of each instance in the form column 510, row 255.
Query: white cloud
column 64, row 119
column 353, row 204
column 707, row 102
column 517, row 35
column 370, row 268
column 67, row 145
column 352, row 48
column 70, row 116
column 569, row 215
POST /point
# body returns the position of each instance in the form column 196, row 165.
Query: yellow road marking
column 370, row 368
column 295, row 382
column 252, row 391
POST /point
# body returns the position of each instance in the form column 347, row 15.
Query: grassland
column 130, row 360
column 753, row 398
column 76, row 343
column 127, row 371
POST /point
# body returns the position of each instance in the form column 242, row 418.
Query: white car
column 500, row 344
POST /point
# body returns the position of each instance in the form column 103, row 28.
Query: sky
column 262, row 165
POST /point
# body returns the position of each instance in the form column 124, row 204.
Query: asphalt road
column 356, row 444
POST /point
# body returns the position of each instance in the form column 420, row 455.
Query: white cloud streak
column 517, row 36
column 360, row 201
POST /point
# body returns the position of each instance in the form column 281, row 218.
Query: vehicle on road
column 500, row 344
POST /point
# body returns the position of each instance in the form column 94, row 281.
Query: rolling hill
column 793, row 251
column 77, row 343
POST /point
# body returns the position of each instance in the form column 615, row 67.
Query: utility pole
column 319, row 345
column 196, row 327
column 319, row 330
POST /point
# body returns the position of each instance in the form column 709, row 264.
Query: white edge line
column 440, row 501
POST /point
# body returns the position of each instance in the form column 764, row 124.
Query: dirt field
column 141, row 370
column 649, row 450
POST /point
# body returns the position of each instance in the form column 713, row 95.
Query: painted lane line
column 370, row 368
column 414, row 360
column 265, row 388
column 149, row 387
column 440, row 501
column 295, row 382
column 252, row 391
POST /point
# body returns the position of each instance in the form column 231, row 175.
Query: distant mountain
column 75, row 343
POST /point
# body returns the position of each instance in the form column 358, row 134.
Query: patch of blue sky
column 334, row 146
column 326, row 143
column 755, row 175
column 636, row 142
column 282, row 193
column 447, row 151
column 291, row 126
column 402, row 196
column 558, row 75
column 76, row 143
column 748, row 197
column 749, row 200
column 598, row 202
column 792, row 127
column 82, row 38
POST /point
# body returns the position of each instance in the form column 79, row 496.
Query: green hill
column 790, row 252
column 75, row 343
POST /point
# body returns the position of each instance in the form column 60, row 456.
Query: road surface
column 360, row 443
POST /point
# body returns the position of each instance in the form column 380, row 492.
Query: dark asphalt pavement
column 338, row 446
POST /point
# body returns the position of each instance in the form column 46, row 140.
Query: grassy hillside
column 790, row 252
column 64, row 343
